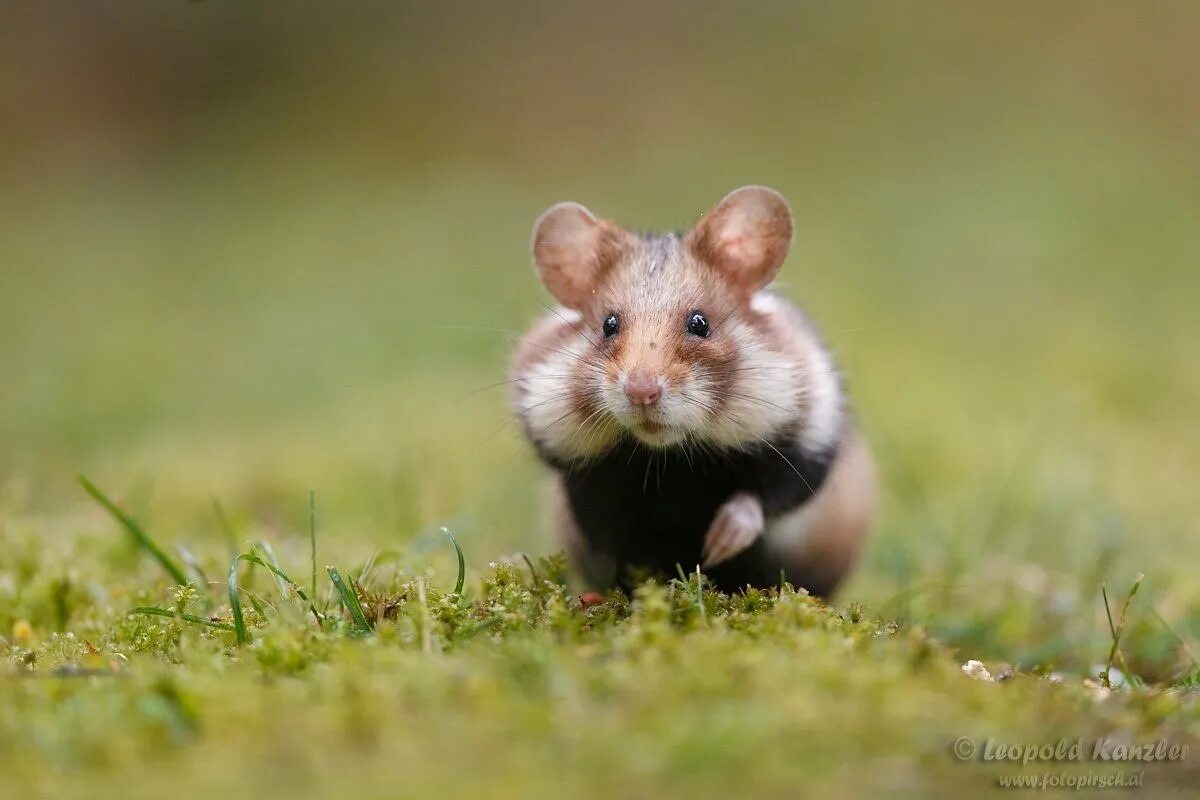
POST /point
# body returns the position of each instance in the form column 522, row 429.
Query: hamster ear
column 746, row 237
column 572, row 250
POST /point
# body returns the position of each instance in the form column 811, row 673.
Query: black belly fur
column 646, row 511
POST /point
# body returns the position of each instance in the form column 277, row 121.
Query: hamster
column 688, row 416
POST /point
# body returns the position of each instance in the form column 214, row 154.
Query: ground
column 227, row 293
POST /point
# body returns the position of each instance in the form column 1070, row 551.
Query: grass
column 230, row 289
column 135, row 530
column 517, row 679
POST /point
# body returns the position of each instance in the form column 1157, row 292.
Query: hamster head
column 662, row 338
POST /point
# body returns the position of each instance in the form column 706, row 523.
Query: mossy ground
column 516, row 686
column 247, row 254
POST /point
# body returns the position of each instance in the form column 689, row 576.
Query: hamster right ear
column 746, row 237
column 572, row 250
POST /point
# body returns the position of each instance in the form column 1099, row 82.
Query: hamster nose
column 642, row 387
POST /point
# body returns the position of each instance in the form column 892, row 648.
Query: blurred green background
column 247, row 250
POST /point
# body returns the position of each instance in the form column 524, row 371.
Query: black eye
column 697, row 325
column 611, row 325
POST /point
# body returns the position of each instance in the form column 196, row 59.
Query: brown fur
column 762, row 373
column 823, row 540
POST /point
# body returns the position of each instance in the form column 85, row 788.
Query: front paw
column 739, row 522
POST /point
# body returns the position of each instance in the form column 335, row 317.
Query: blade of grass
column 312, row 539
column 367, row 566
column 235, row 603
column 532, row 572
column 276, row 572
column 376, row 560
column 190, row 561
column 226, row 526
column 166, row 612
column 1182, row 643
column 1112, row 629
column 257, row 601
column 1114, row 652
column 462, row 562
column 426, row 630
column 295, row 586
column 480, row 627
column 135, row 530
column 349, row 600
column 269, row 552
column 686, row 580
column 281, row 576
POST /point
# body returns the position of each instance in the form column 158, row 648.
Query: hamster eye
column 611, row 325
column 697, row 324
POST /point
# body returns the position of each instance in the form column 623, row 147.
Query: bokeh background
column 248, row 250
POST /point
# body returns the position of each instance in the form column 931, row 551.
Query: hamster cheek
column 693, row 402
column 608, row 392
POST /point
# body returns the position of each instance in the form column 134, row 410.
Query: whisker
column 572, row 324
column 545, row 401
column 633, row 451
column 786, row 460
column 760, row 400
column 764, row 368
column 596, row 427
column 695, row 400
column 727, row 317
column 519, row 334
column 686, row 454
column 479, row 328
column 560, row 419
column 600, row 367
column 498, row 384
column 517, row 415
column 509, row 420
column 586, row 420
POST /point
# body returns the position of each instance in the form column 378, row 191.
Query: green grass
column 238, row 291
column 517, row 685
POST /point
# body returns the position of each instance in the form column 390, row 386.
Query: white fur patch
column 823, row 423
column 819, row 389
column 766, row 391
column 544, row 397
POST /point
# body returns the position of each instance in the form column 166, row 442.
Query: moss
column 519, row 683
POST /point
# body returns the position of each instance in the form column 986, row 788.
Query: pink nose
column 642, row 387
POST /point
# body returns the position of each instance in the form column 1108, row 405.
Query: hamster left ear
column 573, row 250
column 746, row 237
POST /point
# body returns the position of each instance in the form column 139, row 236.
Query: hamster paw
column 738, row 523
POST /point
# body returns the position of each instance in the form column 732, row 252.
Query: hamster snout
column 643, row 386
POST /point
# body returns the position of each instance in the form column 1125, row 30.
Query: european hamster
column 689, row 417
